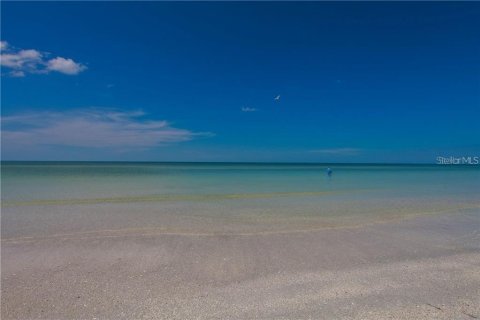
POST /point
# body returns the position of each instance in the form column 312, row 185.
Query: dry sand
column 426, row 267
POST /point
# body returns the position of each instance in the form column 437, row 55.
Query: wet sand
column 423, row 267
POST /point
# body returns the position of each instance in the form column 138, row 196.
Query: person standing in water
column 329, row 172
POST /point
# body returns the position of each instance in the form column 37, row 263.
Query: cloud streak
column 92, row 128
column 338, row 151
column 20, row 62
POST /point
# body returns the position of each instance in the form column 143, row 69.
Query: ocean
column 225, row 197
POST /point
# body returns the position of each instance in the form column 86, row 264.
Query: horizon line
column 232, row 162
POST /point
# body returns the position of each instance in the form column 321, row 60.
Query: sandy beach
column 425, row 267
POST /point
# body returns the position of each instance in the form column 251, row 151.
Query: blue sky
column 358, row 82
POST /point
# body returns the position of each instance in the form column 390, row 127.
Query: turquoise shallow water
column 30, row 181
column 41, row 199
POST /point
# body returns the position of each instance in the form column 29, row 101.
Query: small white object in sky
column 248, row 109
column 277, row 98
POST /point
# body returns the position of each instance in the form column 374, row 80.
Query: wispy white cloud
column 67, row 66
column 17, row 74
column 27, row 60
column 93, row 128
column 20, row 62
column 248, row 109
column 338, row 151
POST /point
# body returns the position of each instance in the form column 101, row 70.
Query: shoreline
column 155, row 231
